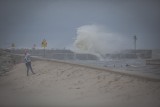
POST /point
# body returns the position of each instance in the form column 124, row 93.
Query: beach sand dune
column 65, row 84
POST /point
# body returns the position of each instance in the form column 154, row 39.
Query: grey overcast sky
column 25, row 22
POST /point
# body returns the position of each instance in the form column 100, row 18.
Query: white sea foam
column 97, row 40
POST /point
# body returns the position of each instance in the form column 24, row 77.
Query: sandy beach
column 72, row 85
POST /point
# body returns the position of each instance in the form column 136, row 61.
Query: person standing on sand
column 27, row 60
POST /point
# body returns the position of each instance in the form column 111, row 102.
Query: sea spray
column 96, row 40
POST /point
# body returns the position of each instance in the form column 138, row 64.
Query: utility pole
column 13, row 47
column 135, row 40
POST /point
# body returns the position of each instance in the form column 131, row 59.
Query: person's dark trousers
column 28, row 65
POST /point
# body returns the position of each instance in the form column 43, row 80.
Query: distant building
column 131, row 54
column 156, row 54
